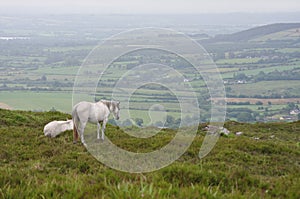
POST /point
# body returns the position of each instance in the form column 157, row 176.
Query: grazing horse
column 97, row 112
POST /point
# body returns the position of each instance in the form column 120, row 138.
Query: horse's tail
column 75, row 119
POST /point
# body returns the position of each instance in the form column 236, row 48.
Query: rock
column 215, row 129
column 239, row 133
column 225, row 131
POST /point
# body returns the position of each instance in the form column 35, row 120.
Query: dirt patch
column 5, row 106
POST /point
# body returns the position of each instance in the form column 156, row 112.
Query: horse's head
column 116, row 109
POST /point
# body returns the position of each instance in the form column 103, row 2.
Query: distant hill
column 254, row 33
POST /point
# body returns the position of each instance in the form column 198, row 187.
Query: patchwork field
column 39, row 73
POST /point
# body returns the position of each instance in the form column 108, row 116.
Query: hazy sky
column 149, row 6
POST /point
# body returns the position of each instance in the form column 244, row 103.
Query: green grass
column 288, row 50
column 62, row 101
column 251, row 107
column 238, row 61
column 291, row 34
column 39, row 101
column 267, row 87
column 256, row 71
column 254, row 107
column 271, row 69
column 70, row 48
column 35, row 166
column 62, row 70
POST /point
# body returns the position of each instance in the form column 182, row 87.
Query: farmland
column 260, row 64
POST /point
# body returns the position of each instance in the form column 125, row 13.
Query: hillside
column 35, row 166
column 254, row 33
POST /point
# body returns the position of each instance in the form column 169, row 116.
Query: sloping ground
column 290, row 34
column 4, row 106
column 35, row 166
column 254, row 33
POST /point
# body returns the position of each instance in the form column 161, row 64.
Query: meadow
column 267, row 88
column 38, row 101
column 263, row 162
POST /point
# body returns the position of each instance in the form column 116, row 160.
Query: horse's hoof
column 74, row 142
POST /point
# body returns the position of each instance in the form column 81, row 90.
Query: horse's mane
column 106, row 102
column 109, row 104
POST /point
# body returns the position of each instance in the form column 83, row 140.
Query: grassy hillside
column 35, row 166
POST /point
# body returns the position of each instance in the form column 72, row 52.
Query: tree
column 259, row 103
column 139, row 121
column 44, row 78
column 231, row 55
column 245, row 117
column 112, row 122
column 291, row 105
column 52, row 109
column 240, row 76
column 170, row 120
column 228, row 89
column 260, row 76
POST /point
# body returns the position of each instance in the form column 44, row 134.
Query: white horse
column 54, row 128
column 96, row 113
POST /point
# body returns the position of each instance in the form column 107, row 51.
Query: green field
column 291, row 34
column 38, row 101
column 237, row 61
column 256, row 71
column 267, row 87
column 62, row 101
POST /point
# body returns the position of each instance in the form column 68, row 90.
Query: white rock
column 239, row 133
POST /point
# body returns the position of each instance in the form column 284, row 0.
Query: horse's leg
column 75, row 134
column 98, row 130
column 103, row 128
column 82, row 126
